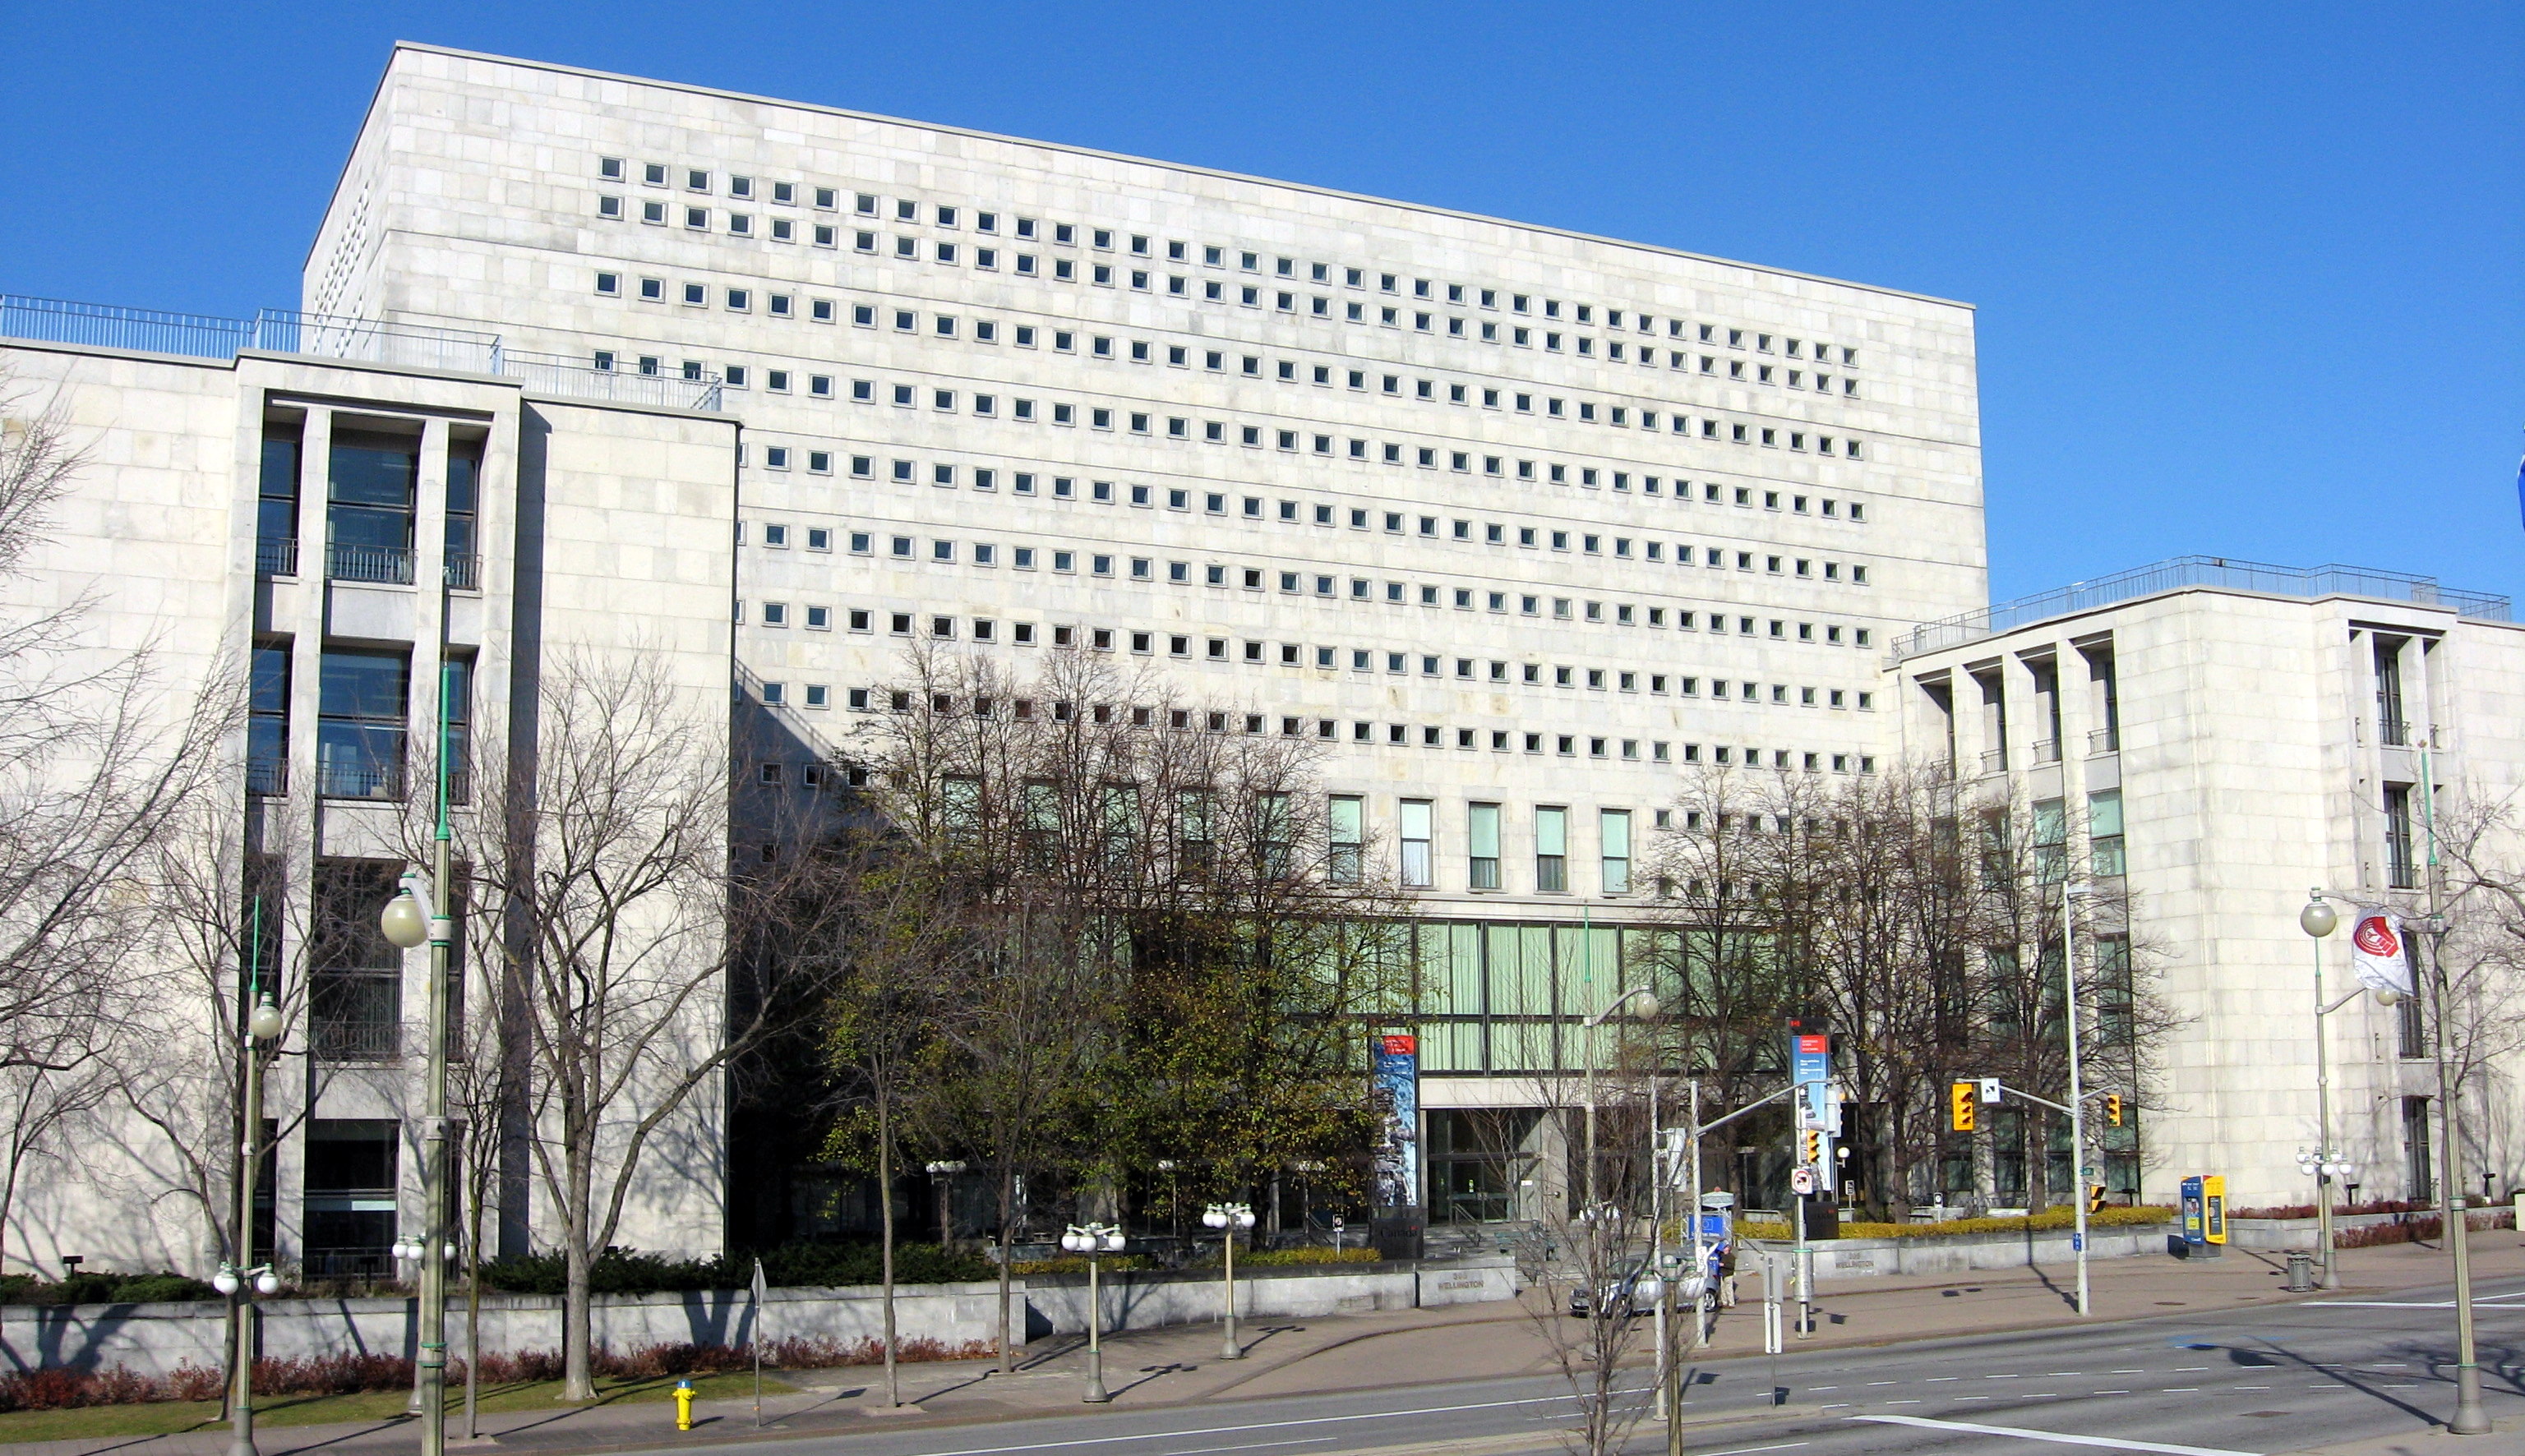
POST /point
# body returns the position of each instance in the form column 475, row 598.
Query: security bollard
column 684, row 1404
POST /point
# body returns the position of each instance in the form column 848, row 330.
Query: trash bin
column 2300, row 1270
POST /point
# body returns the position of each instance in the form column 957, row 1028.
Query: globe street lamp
column 242, row 1279
column 1227, row 1218
column 420, row 914
column 1093, row 1240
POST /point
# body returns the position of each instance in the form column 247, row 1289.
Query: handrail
column 333, row 336
column 2329, row 580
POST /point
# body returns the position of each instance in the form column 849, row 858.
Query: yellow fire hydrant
column 684, row 1404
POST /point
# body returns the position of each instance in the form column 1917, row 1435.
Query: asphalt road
column 2262, row 1380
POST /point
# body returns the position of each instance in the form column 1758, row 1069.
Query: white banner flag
column 2377, row 952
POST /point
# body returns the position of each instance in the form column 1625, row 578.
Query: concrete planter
column 2301, row 1233
column 1961, row 1253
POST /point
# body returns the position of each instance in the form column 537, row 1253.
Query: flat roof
column 1186, row 167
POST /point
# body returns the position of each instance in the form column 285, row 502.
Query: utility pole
column 2468, row 1419
column 2069, row 896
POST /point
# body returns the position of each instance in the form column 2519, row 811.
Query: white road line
column 2020, row 1433
column 1254, row 1446
column 1935, row 1378
column 2112, row 1392
column 1750, row 1450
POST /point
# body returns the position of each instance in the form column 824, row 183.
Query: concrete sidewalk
column 1181, row 1365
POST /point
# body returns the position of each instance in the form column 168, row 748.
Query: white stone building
column 331, row 532
column 1521, row 520
column 1520, row 524
column 2226, row 738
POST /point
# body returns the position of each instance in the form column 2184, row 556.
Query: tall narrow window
column 1118, row 818
column 360, row 725
column 350, row 1195
column 960, row 809
column 464, row 497
column 2104, row 834
column 1482, row 845
column 1272, row 834
column 2050, row 840
column 275, row 520
column 355, row 985
column 266, row 727
column 1194, row 835
column 367, row 521
column 457, row 677
column 1416, row 827
column 2399, row 871
column 1551, row 849
column 2390, row 728
column 1613, row 831
column 1343, row 827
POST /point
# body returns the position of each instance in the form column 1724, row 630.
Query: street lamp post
column 2325, row 1161
column 243, row 1278
column 1227, row 1218
column 940, row 1173
column 2469, row 1419
column 419, row 914
column 1094, row 1241
column 1648, row 1008
column 2070, row 894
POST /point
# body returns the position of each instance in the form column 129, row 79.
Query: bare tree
column 603, row 861
column 99, row 765
column 2482, row 959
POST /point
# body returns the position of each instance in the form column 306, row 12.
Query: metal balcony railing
column 385, row 563
column 2213, row 571
column 275, row 558
column 1993, row 760
column 2047, row 751
column 267, row 777
column 464, row 571
column 359, row 781
column 2102, row 741
column 330, row 336
column 2394, row 733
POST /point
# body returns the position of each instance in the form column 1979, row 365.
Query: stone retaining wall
column 156, row 1339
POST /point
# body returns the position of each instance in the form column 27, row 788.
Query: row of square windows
column 1393, row 735
column 1181, row 646
column 1219, row 432
column 1493, row 533
column 778, row 305
column 1362, row 590
column 948, row 215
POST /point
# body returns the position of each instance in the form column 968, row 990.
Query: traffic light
column 1811, row 1150
column 2113, row 1108
column 2094, row 1197
column 1960, row 1106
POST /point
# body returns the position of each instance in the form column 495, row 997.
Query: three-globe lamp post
column 1228, row 1217
column 1094, row 1241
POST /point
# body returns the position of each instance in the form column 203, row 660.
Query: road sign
column 1801, row 1180
column 1990, row 1089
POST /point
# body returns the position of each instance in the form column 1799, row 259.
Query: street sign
column 1990, row 1089
column 1811, row 1067
column 1802, row 1181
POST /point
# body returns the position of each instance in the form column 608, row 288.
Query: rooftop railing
column 2189, row 571
column 327, row 336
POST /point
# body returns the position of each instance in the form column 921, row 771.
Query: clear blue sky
column 2251, row 281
